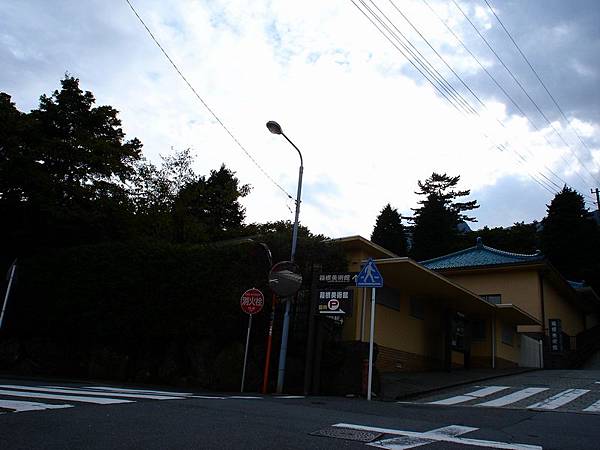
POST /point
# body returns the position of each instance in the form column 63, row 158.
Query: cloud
column 368, row 125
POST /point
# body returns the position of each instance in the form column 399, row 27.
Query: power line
column 468, row 88
column 414, row 64
column 515, row 79
column 538, row 77
column 495, row 81
column 208, row 108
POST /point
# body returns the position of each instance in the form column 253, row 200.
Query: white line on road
column 245, row 397
column 136, row 391
column 29, row 406
column 441, row 437
column 406, row 442
column 209, row 397
column 289, row 396
column 513, row 398
column 73, row 398
column 470, row 396
column 559, row 399
column 63, row 390
column 594, row 407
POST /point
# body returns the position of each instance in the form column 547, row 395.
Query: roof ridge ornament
column 479, row 242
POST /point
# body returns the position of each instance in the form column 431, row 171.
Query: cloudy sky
column 368, row 123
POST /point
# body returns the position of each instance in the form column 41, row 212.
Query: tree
column 389, row 231
column 569, row 237
column 521, row 237
column 209, row 208
column 64, row 168
column 435, row 221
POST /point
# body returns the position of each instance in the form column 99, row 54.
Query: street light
column 275, row 128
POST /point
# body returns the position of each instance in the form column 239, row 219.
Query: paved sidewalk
column 400, row 386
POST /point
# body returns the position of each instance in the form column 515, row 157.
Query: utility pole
column 597, row 192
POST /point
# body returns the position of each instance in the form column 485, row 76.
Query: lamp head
column 274, row 127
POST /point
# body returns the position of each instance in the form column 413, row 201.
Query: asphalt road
column 78, row 416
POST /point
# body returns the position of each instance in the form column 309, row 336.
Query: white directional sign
column 369, row 276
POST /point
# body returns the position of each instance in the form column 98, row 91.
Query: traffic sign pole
column 246, row 352
column 371, row 338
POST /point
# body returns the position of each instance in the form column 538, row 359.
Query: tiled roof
column 479, row 256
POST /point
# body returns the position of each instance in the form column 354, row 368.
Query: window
column 478, row 330
column 494, row 299
column 417, row 309
column 388, row 297
column 508, row 335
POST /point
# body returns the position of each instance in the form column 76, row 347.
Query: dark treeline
column 128, row 269
column 568, row 236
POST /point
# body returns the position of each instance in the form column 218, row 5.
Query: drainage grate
column 348, row 434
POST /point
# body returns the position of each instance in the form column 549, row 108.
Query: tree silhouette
column 435, row 221
column 389, row 231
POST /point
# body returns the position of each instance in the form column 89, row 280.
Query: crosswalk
column 524, row 397
column 22, row 397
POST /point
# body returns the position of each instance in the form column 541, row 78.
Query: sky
column 368, row 124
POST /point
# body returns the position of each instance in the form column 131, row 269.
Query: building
column 564, row 309
column 424, row 320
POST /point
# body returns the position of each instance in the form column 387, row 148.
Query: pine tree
column 389, row 231
column 569, row 237
column 435, row 221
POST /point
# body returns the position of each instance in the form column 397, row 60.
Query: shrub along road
column 50, row 415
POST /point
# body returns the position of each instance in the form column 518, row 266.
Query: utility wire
column 515, row 79
column 537, row 76
column 495, row 81
column 544, row 185
column 208, row 108
column 468, row 88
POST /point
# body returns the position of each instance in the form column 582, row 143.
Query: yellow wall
column 556, row 307
column 519, row 287
column 397, row 329
column 504, row 351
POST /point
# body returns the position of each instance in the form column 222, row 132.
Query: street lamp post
column 275, row 128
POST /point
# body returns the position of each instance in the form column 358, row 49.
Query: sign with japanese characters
column 556, row 338
column 336, row 279
column 335, row 302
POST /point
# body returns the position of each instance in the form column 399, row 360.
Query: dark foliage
column 570, row 238
column 435, row 221
column 389, row 231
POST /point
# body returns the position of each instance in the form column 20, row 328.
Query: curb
column 457, row 384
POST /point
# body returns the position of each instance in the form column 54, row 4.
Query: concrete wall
column 557, row 307
column 519, row 287
column 406, row 343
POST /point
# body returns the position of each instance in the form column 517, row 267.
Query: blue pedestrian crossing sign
column 369, row 276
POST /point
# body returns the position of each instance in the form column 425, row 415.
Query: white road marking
column 29, row 406
column 422, row 438
column 405, row 442
column 73, row 398
column 209, row 397
column 594, row 407
column 62, row 390
column 484, row 392
column 289, row 396
column 245, row 397
column 513, row 398
column 136, row 391
column 559, row 399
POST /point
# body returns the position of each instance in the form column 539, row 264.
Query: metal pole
column 371, row 338
column 246, row 353
column 269, row 343
column 493, row 341
column 286, row 316
column 10, row 280
column 363, row 315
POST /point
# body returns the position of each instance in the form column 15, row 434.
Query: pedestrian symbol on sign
column 369, row 276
